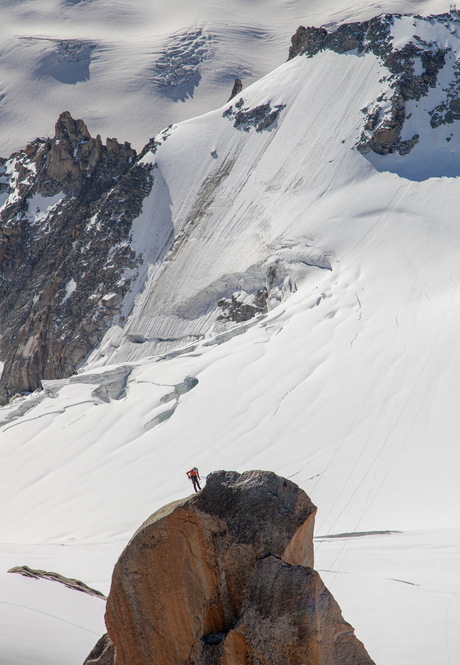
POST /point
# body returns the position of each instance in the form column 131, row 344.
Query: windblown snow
column 346, row 382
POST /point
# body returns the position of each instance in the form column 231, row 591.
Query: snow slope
column 131, row 68
column 348, row 385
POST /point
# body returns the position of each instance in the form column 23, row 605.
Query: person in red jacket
column 195, row 478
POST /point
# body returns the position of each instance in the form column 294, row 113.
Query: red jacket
column 192, row 472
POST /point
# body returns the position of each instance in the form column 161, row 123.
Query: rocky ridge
column 413, row 70
column 64, row 250
column 68, row 582
column 103, row 652
column 226, row 577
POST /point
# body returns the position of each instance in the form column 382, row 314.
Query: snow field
column 40, row 617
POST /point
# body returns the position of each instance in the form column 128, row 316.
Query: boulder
column 225, row 577
column 111, row 299
column 183, row 574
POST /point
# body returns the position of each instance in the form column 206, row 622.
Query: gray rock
column 382, row 131
column 69, row 582
column 103, row 653
column 111, row 299
column 261, row 117
column 55, row 271
column 237, row 88
column 243, row 307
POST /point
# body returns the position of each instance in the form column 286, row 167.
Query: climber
column 194, row 476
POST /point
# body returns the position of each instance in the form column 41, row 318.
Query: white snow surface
column 131, row 68
column 348, row 386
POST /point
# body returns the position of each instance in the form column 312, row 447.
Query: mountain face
column 226, row 577
column 412, row 71
column 64, row 250
column 72, row 261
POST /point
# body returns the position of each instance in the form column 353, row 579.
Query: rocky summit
column 412, row 71
column 226, row 577
column 68, row 206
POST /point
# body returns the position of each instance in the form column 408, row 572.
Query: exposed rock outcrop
column 72, row 156
column 289, row 616
column 103, row 652
column 243, row 306
column 69, row 582
column 237, row 88
column 225, row 577
column 261, row 117
column 64, row 250
column 413, row 70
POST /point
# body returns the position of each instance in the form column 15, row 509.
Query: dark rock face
column 386, row 136
column 261, row 117
column 369, row 36
column 383, row 128
column 448, row 110
column 69, row 582
column 237, row 88
column 64, row 250
column 308, row 41
column 225, row 577
column 103, row 652
column 242, row 306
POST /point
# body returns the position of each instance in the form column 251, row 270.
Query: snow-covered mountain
column 296, row 309
column 132, row 68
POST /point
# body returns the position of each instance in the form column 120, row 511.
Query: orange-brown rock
column 225, row 577
column 289, row 616
column 66, row 161
column 183, row 575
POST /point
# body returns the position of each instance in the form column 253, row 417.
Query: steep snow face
column 223, row 218
column 247, row 209
column 237, row 216
column 132, row 68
